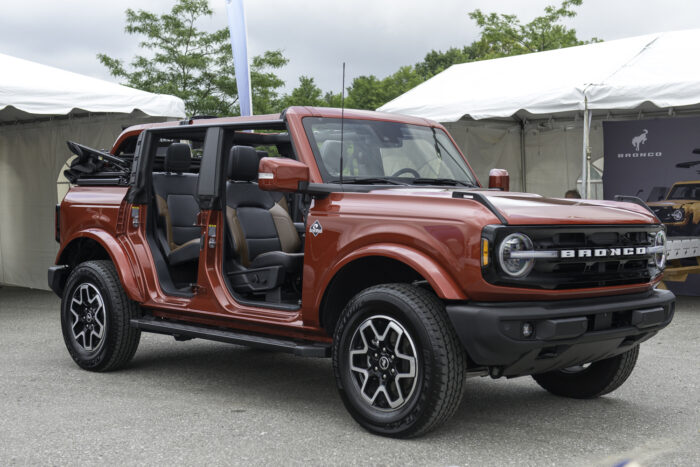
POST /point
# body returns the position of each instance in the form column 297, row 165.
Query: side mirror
column 282, row 174
column 499, row 178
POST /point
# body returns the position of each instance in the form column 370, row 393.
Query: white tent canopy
column 29, row 90
column 661, row 69
column 40, row 108
column 642, row 74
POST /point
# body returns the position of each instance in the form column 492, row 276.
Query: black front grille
column 577, row 272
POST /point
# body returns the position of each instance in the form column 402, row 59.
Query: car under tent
column 40, row 108
column 540, row 115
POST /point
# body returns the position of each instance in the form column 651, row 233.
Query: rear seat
column 178, row 232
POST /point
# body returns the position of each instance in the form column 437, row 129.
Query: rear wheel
column 399, row 365
column 95, row 318
column 593, row 380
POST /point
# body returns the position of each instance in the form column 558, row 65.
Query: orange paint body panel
column 427, row 229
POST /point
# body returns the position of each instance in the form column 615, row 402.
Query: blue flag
column 239, row 44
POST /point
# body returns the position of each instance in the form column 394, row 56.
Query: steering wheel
column 406, row 170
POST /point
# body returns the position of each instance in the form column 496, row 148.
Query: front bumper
column 566, row 332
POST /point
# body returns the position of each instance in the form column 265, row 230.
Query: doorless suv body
column 361, row 236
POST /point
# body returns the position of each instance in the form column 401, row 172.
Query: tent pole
column 588, row 154
column 523, row 160
column 584, row 161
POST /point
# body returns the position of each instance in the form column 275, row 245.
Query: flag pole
column 239, row 46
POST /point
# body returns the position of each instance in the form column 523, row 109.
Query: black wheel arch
column 77, row 251
column 358, row 275
column 82, row 249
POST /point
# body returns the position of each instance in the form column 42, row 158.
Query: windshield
column 686, row 191
column 385, row 152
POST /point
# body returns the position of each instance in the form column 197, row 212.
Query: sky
column 371, row 36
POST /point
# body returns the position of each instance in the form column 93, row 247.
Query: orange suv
column 360, row 236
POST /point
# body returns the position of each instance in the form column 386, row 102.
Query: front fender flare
column 439, row 279
column 128, row 276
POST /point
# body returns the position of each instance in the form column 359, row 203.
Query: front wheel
column 399, row 365
column 590, row 381
column 95, row 318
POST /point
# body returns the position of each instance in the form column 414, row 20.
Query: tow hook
column 496, row 372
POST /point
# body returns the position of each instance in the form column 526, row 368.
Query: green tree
column 504, row 35
column 437, row 61
column 369, row 92
column 307, row 93
column 195, row 65
column 264, row 82
column 331, row 99
column 501, row 35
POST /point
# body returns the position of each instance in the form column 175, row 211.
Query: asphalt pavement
column 199, row 402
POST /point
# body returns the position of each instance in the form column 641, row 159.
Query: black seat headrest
column 243, row 163
column 178, row 158
column 261, row 154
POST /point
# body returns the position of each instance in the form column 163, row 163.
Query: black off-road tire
column 98, row 282
column 440, row 360
column 599, row 378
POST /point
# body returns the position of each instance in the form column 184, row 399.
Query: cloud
column 371, row 36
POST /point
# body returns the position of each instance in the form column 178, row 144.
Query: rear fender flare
column 122, row 262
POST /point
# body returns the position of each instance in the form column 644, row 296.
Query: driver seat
column 263, row 236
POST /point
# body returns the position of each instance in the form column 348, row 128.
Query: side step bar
column 303, row 349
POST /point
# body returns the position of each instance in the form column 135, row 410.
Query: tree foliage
column 307, row 93
column 501, row 35
column 504, row 35
column 368, row 92
column 195, row 65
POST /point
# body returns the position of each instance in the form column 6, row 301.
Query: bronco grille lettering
column 603, row 252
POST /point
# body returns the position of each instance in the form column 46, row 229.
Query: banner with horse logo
column 658, row 160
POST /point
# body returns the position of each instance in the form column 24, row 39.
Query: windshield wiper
column 441, row 181
column 370, row 181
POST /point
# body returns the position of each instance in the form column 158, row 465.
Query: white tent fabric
column 655, row 74
column 31, row 157
column 40, row 108
column 37, row 89
column 623, row 74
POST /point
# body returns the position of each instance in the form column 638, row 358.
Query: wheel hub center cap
column 384, row 362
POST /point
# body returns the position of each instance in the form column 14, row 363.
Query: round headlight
column 660, row 258
column 515, row 267
column 677, row 215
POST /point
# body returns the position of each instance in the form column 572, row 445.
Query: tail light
column 57, row 223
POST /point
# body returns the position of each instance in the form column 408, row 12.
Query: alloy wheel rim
column 383, row 363
column 89, row 321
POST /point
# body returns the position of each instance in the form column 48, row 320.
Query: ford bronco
column 680, row 211
column 360, row 236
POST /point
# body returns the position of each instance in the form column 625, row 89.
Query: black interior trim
column 209, row 174
column 166, row 282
